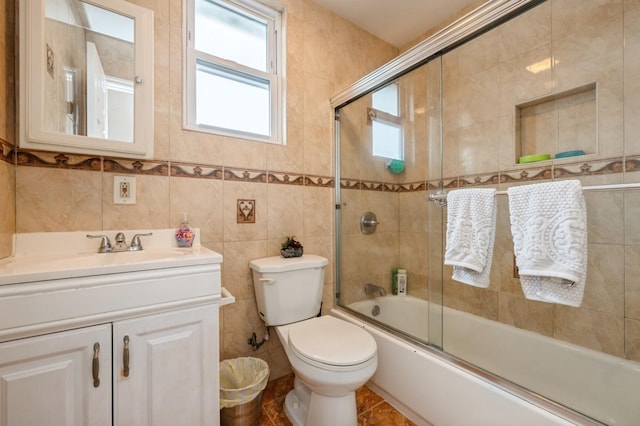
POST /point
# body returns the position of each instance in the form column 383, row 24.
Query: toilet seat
column 329, row 343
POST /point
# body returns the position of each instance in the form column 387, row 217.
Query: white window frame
column 274, row 15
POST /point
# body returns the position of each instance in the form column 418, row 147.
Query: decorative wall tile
column 526, row 175
column 350, row 184
column 322, row 181
column 196, row 171
column 285, row 178
column 588, row 168
column 58, row 160
column 245, row 175
column 478, row 180
column 138, row 167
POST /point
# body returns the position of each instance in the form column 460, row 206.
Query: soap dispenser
column 184, row 234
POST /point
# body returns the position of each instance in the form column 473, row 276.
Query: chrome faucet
column 373, row 289
column 120, row 244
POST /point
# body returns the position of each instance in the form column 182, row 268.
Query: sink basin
column 48, row 256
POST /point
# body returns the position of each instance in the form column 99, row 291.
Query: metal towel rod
column 440, row 197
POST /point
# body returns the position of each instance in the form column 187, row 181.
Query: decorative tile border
column 599, row 167
column 58, row 160
column 319, row 181
column 245, row 175
column 196, row 171
column 526, row 175
column 478, row 180
column 285, row 178
column 137, row 167
column 202, row 171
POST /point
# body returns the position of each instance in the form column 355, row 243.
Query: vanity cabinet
column 48, row 380
column 162, row 373
column 145, row 324
column 172, row 372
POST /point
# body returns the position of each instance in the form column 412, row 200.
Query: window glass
column 385, row 123
column 386, row 99
column 231, row 34
column 232, row 101
column 234, row 72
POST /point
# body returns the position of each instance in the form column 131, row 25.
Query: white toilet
column 331, row 358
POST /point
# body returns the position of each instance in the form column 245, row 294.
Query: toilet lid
column 331, row 341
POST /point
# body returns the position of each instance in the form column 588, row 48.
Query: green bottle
column 394, row 280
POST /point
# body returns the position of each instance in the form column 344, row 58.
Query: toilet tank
column 288, row 290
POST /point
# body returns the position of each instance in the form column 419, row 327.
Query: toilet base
column 305, row 408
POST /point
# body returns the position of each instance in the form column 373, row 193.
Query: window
column 384, row 118
column 234, row 69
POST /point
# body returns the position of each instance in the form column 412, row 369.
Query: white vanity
column 127, row 338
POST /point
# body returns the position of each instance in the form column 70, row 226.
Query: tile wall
column 584, row 43
column 204, row 175
column 593, row 45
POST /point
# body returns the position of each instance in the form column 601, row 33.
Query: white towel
column 549, row 227
column 471, row 231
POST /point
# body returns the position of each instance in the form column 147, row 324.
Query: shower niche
column 561, row 125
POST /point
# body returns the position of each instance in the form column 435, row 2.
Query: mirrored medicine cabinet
column 86, row 77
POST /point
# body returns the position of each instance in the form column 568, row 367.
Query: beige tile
column 475, row 300
column 318, row 150
column 237, row 275
column 385, row 207
column 605, row 217
column 631, row 213
column 58, row 200
column 525, row 32
column 244, row 153
column 240, row 320
column 285, row 211
column 632, row 282
column 594, row 330
column 151, row 210
column 195, row 147
column 202, row 201
column 604, row 289
column 413, row 212
column 527, row 314
column 318, row 209
column 632, row 339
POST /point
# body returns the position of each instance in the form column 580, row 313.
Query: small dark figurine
column 291, row 247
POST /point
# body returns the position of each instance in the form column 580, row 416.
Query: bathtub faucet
column 373, row 289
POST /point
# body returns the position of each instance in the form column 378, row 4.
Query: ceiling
column 397, row 21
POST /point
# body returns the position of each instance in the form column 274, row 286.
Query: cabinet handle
column 96, row 365
column 125, row 356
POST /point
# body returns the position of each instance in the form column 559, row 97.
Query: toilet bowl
column 331, row 358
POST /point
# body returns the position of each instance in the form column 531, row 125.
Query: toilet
column 331, row 358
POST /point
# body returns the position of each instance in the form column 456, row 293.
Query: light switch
column 124, row 190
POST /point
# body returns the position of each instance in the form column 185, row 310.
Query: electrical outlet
column 124, row 190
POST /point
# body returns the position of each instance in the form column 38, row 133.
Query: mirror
column 86, row 77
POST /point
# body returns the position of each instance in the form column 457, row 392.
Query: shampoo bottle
column 394, row 280
column 184, row 234
column 402, row 282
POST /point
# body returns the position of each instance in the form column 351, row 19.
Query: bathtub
column 434, row 388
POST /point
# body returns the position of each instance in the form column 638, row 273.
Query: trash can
column 242, row 381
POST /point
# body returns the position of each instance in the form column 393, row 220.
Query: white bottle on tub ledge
column 402, row 282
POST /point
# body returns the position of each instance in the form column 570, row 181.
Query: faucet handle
column 136, row 245
column 105, row 244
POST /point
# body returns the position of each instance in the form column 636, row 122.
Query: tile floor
column 372, row 409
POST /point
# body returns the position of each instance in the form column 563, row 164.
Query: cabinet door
column 172, row 372
column 49, row 380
